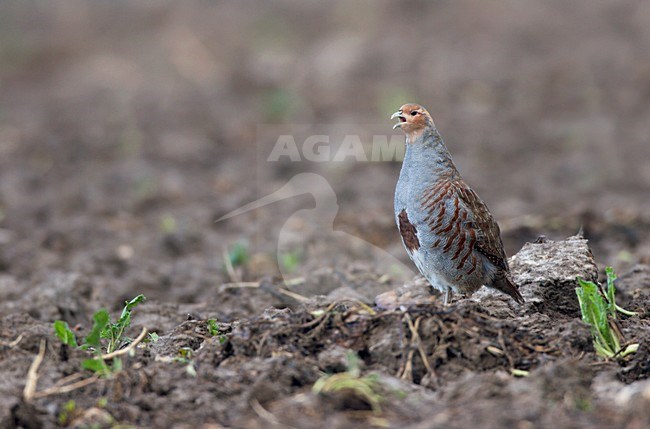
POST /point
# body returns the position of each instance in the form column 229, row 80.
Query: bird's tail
column 507, row 286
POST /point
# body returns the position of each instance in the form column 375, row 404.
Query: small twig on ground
column 407, row 373
column 32, row 374
column 417, row 341
column 236, row 285
column 366, row 307
column 320, row 318
column 239, row 285
column 293, row 295
column 13, row 343
column 127, row 349
column 69, row 379
column 263, row 413
column 257, row 285
column 66, row 388
column 294, row 282
column 260, row 345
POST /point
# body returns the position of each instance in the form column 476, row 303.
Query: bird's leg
column 446, row 299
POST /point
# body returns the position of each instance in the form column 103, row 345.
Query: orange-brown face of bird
column 413, row 119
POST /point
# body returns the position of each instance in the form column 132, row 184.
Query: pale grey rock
column 551, row 262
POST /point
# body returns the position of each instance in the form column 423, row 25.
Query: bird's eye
column 414, row 113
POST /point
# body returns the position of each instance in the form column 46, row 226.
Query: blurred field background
column 127, row 128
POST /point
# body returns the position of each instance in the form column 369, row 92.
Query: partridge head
column 446, row 229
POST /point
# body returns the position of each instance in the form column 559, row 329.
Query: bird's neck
column 427, row 153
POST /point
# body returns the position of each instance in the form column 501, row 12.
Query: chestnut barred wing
column 488, row 233
column 408, row 232
column 462, row 224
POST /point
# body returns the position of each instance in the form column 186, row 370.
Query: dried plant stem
column 32, row 374
column 415, row 339
column 67, row 387
column 127, row 349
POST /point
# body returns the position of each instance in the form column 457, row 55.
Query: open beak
column 399, row 116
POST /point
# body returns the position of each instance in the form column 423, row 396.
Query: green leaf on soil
column 367, row 388
column 599, row 312
column 114, row 331
column 100, row 320
column 117, row 365
column 66, row 413
column 238, row 255
column 96, row 365
column 65, row 334
column 215, row 331
column 125, row 318
column 611, row 291
column 213, row 327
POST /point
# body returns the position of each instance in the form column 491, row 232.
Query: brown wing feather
column 466, row 226
column 488, row 234
column 408, row 232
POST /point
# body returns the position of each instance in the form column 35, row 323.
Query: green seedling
column 185, row 354
column 152, row 337
column 104, row 337
column 213, row 327
column 100, row 367
column 291, row 260
column 114, row 332
column 233, row 258
column 599, row 311
column 238, row 255
column 102, row 402
column 215, row 331
column 67, row 413
column 93, row 340
column 65, row 334
column 611, row 292
column 366, row 388
column 185, row 357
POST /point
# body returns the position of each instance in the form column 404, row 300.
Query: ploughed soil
column 126, row 131
column 482, row 359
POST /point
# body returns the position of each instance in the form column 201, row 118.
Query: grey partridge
column 446, row 229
